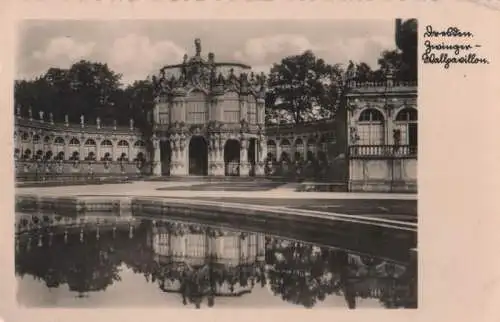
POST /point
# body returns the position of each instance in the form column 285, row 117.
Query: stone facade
column 42, row 146
column 209, row 118
column 382, row 143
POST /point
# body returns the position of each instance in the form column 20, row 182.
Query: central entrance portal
column 198, row 156
column 232, row 157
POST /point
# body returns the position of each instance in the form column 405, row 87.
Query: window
column 46, row 139
column 271, row 147
column 123, row 143
column 299, row 147
column 196, row 108
column 139, row 143
column 252, row 110
column 74, row 141
column 285, row 147
column 406, row 123
column 90, row 142
column 36, row 138
column 231, row 107
column 59, row 140
column 371, row 127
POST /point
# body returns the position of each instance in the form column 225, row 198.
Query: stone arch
column 198, row 155
column 232, row 157
column 368, row 109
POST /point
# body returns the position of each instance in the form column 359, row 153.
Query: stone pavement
column 148, row 188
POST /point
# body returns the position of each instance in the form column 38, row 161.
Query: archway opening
column 232, row 157
column 198, row 156
column 165, row 157
column 252, row 155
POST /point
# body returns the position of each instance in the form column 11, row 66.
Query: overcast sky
column 137, row 48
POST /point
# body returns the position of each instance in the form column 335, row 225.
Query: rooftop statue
column 197, row 44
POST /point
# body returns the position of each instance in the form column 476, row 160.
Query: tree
column 87, row 88
column 298, row 84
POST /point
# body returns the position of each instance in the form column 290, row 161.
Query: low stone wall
column 380, row 238
column 383, row 175
column 71, row 205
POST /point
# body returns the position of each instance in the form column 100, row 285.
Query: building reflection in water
column 201, row 263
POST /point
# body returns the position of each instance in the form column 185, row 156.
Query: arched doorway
column 252, row 155
column 166, row 157
column 232, row 157
column 198, row 156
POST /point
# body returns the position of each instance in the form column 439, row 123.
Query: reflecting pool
column 123, row 261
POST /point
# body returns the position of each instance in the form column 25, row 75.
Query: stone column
column 98, row 149
column 244, row 167
column 262, row 148
column 260, row 111
column 81, row 149
column 212, row 155
column 243, row 110
column 157, row 157
column 219, row 156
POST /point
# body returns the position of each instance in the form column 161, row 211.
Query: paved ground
column 187, row 189
column 401, row 207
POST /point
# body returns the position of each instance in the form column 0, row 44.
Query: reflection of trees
column 85, row 266
column 304, row 274
column 299, row 273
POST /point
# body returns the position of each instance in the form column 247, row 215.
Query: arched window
column 311, row 146
column 406, row 124
column 106, row 143
column 25, row 136
column 299, row 149
column 139, row 143
column 407, row 115
column 60, row 156
column 90, row 142
column 122, row 150
column 36, row 138
column 58, row 145
column 285, row 146
column 46, row 139
column 89, row 149
column 123, row 143
column 74, row 141
column 371, row 127
column 59, row 140
column 106, row 150
column 27, row 154
column 271, row 147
